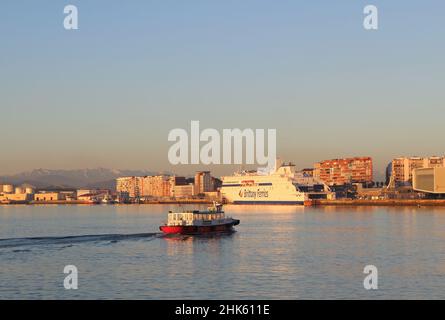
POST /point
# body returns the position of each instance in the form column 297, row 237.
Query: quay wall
column 381, row 202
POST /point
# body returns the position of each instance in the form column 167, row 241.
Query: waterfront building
column 19, row 190
column 178, row 181
column 69, row 195
column 123, row 197
column 429, row 180
column 129, row 185
column 183, row 191
column 29, row 189
column 307, row 172
column 92, row 195
column 7, row 188
column 203, row 182
column 164, row 186
column 156, row 186
column 81, row 192
column 344, row 171
column 16, row 197
column 402, row 168
column 48, row 196
column 148, row 186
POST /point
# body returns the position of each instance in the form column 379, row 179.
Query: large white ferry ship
column 280, row 186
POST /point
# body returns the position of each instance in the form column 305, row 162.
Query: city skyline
column 372, row 176
column 107, row 95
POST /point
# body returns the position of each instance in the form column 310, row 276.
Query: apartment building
column 148, row 186
column 203, row 182
column 344, row 171
column 129, row 186
column 402, row 168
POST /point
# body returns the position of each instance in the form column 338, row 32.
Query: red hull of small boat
column 199, row 229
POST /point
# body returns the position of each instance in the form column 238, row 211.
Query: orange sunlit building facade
column 344, row 171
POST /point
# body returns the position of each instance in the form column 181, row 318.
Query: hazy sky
column 108, row 94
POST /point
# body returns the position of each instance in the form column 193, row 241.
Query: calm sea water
column 278, row 252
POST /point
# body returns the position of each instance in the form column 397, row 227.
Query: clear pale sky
column 107, row 95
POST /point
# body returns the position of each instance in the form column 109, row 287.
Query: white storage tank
column 29, row 190
column 8, row 188
column 19, row 190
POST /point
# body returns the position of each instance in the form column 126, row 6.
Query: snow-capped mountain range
column 81, row 178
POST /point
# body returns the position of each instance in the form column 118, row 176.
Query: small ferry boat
column 199, row 222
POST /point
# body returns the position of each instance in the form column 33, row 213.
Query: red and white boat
column 199, row 222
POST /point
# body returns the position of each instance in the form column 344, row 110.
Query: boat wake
column 70, row 240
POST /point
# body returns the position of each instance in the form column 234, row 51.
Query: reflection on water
column 277, row 252
column 189, row 243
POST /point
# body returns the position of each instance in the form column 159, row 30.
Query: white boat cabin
column 213, row 216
